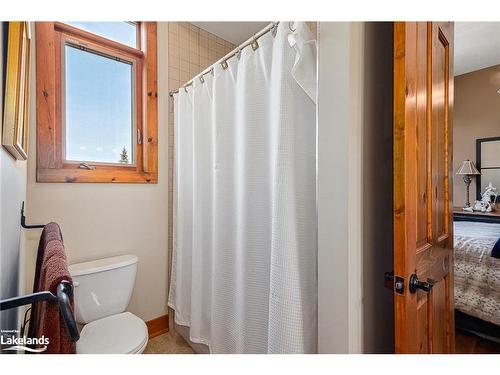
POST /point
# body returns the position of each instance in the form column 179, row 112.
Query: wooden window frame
column 51, row 166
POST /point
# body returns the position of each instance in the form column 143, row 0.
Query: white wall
column 101, row 220
column 339, row 193
column 354, row 200
column 12, row 193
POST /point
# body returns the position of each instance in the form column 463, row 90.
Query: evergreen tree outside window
column 124, row 156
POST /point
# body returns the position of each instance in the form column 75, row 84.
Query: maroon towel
column 51, row 269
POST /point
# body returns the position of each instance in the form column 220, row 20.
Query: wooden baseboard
column 157, row 326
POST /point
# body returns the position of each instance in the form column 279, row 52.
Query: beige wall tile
column 185, row 76
column 212, row 55
column 183, row 32
column 220, row 49
column 204, row 51
column 173, row 84
column 194, row 57
column 173, row 61
column 173, row 73
column 212, row 43
column 173, row 38
column 184, row 55
column 194, row 69
column 173, row 28
column 203, row 41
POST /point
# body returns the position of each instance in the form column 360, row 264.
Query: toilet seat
column 122, row 333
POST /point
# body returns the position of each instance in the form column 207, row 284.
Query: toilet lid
column 121, row 333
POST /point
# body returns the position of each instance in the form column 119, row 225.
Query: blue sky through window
column 123, row 32
column 98, row 104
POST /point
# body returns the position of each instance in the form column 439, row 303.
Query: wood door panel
column 424, row 183
column 423, row 103
column 433, row 264
column 440, row 84
column 423, row 327
column 438, row 316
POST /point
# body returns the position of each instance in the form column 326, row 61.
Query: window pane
column 99, row 110
column 122, row 32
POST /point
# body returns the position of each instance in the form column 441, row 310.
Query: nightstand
column 484, row 217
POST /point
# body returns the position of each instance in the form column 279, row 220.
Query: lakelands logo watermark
column 12, row 342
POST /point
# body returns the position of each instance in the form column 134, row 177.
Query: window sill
column 115, row 175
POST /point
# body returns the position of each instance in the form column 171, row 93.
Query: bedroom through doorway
column 476, row 187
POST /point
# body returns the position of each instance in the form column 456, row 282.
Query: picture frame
column 488, row 164
column 17, row 83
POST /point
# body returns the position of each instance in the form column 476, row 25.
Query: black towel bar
column 23, row 221
column 64, row 291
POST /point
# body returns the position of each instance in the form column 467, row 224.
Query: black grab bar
column 23, row 221
column 64, row 291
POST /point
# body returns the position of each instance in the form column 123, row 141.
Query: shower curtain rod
column 223, row 61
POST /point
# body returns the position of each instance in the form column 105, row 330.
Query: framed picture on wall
column 16, row 94
column 488, row 163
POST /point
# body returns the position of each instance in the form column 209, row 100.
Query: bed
column 477, row 273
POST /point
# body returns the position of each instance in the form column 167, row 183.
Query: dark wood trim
column 157, row 326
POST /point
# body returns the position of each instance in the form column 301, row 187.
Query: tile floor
column 173, row 343
column 168, row 343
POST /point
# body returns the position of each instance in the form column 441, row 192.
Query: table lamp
column 468, row 169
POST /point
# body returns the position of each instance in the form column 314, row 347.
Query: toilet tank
column 103, row 287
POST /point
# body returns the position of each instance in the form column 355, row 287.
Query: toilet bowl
column 103, row 288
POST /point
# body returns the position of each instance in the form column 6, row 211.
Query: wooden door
column 423, row 224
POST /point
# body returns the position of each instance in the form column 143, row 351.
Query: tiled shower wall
column 190, row 50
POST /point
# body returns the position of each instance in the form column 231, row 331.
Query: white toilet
column 103, row 289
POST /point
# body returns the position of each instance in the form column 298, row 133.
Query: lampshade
column 468, row 168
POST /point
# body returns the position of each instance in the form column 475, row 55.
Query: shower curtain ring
column 202, row 79
column 238, row 53
column 290, row 26
column 224, row 64
column 254, row 44
column 274, row 29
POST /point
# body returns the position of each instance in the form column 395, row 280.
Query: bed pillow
column 495, row 253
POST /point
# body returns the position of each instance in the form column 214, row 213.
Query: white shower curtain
column 244, row 264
